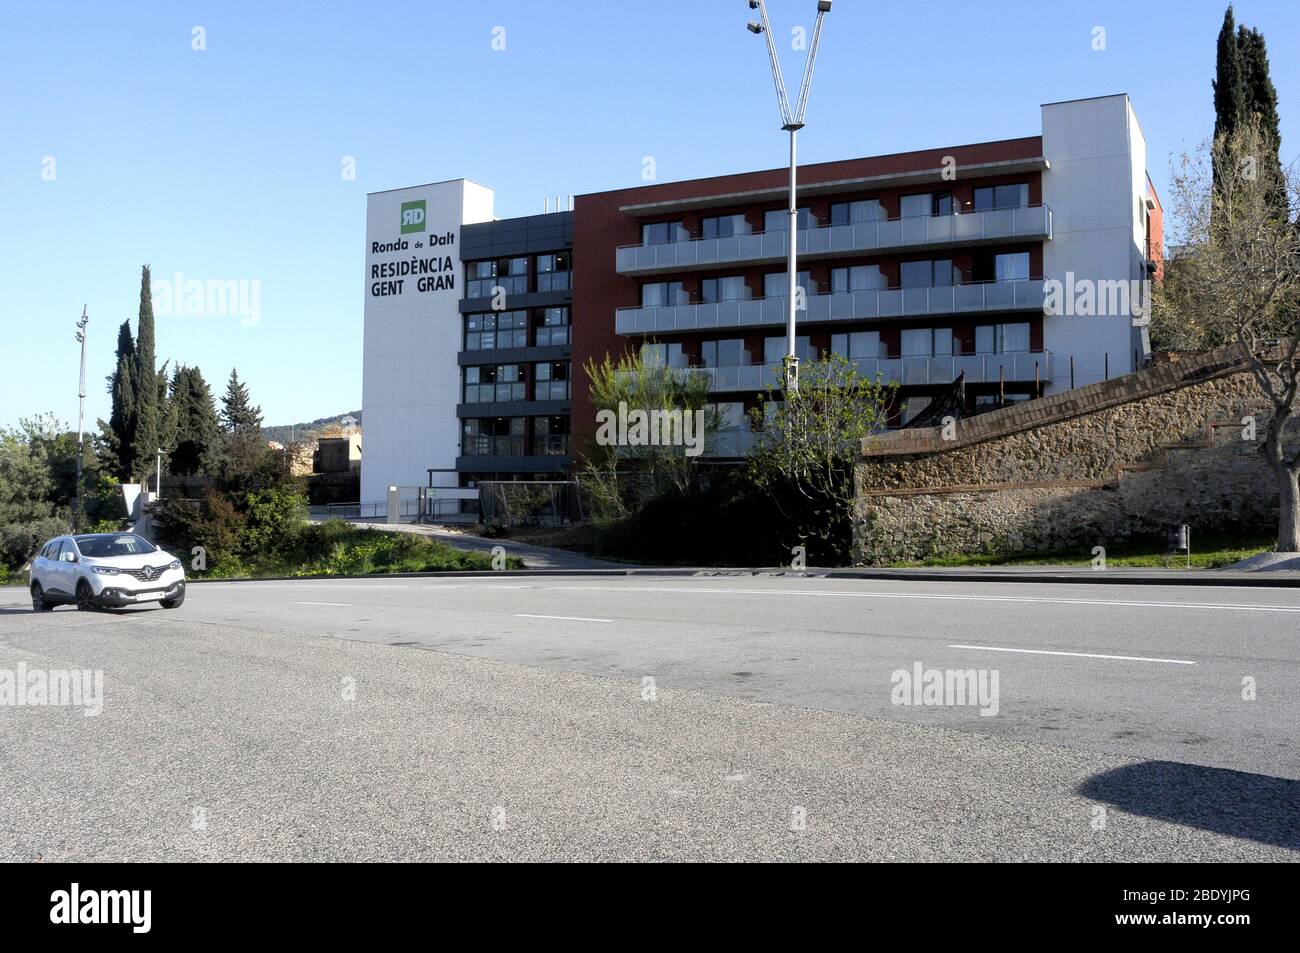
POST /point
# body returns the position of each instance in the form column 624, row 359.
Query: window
column 104, row 547
column 661, row 294
column 724, row 289
column 850, row 213
column 663, row 355
column 926, row 342
column 912, row 408
column 776, row 284
column 927, row 203
column 493, row 436
column 553, row 272
column 928, row 274
column 723, row 226
column 554, row 327
column 661, row 233
column 731, row 416
column 497, row 329
column 856, row 278
column 1009, row 266
column 1001, row 196
column 551, row 436
column 551, row 381
column 498, row 382
column 778, row 219
column 856, row 345
column 727, row 353
column 774, row 349
column 1002, row 338
column 510, row 274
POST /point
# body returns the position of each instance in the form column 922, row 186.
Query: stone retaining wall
column 1123, row 458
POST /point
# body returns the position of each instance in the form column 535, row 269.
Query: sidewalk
column 545, row 558
column 534, row 557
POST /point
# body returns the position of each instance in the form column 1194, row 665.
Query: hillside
column 284, row 433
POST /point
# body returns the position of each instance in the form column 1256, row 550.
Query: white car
column 105, row 570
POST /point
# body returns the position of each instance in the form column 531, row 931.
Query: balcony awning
column 861, row 183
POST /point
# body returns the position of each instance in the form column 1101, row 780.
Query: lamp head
column 823, row 6
column 754, row 28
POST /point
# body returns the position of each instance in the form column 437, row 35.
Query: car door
column 63, row 570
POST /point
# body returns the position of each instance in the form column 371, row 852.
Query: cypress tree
column 118, row 432
column 1261, row 104
column 147, row 436
column 1229, row 83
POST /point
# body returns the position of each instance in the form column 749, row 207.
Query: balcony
column 977, row 297
column 1032, row 222
column 1011, row 367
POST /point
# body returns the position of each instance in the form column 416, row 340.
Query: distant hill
column 286, row 433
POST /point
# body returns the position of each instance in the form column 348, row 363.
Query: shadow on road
column 1252, row 806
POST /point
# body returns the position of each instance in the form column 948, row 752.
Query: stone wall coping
column 1147, row 382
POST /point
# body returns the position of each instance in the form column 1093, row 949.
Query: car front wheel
column 39, row 604
column 85, row 597
column 174, row 603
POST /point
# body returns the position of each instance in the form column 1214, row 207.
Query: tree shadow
column 1251, row 806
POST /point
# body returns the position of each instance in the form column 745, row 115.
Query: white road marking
column 949, row 597
column 344, row 604
column 1121, row 658
column 563, row 618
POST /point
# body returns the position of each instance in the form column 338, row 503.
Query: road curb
column 1108, row 577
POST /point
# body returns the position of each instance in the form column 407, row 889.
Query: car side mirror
column 70, row 557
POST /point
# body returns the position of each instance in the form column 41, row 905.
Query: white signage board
column 410, row 379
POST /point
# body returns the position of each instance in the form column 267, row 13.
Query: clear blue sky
column 225, row 164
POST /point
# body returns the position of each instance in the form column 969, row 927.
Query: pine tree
column 147, row 436
column 118, row 433
column 198, row 434
column 1229, row 83
column 238, row 415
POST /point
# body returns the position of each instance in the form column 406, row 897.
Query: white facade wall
column 1096, row 187
column 410, row 380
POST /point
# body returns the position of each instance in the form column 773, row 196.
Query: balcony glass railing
column 1017, row 366
column 988, row 296
column 824, row 241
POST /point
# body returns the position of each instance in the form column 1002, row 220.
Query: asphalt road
column 729, row 717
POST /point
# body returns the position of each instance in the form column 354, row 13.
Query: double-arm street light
column 792, row 122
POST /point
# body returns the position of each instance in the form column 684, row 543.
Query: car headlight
column 107, row 570
column 175, row 564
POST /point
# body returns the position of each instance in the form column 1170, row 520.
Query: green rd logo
column 412, row 217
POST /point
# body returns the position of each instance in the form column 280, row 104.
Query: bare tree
column 1236, row 279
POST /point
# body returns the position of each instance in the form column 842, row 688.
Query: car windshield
column 127, row 544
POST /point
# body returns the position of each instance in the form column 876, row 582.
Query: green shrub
column 19, row 541
column 274, row 518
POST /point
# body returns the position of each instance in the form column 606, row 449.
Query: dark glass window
column 551, row 380
column 483, row 277
column 990, row 197
column 553, row 272
column 864, row 210
column 554, row 327
column 661, row 233
column 496, row 329
column 723, row 226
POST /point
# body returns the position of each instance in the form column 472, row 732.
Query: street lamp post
column 81, row 416
column 792, row 122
